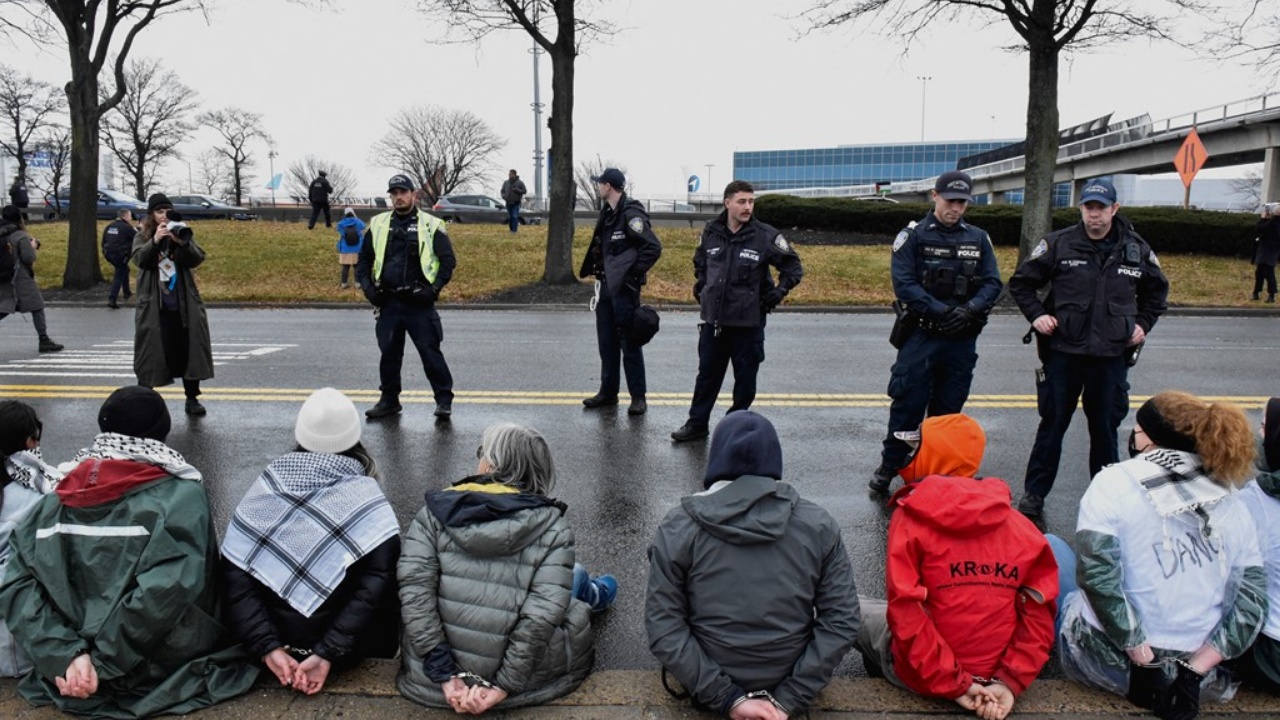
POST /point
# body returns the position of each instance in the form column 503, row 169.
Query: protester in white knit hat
column 309, row 560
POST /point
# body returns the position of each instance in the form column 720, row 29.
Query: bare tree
column 150, row 122
column 588, row 190
column 302, row 172
column 1045, row 29
column 29, row 106
column 213, row 175
column 55, row 148
column 238, row 129
column 444, row 150
column 571, row 24
column 1253, row 36
column 1248, row 188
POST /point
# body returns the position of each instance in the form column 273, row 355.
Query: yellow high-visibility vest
column 380, row 227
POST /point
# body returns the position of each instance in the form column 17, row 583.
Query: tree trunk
column 559, row 261
column 82, row 269
column 236, row 168
column 140, row 184
column 1042, row 142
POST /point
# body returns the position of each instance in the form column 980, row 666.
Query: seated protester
column 496, row 613
column 24, row 480
column 309, row 560
column 960, row 558
column 111, row 588
column 748, row 531
column 1171, row 580
column 1260, row 665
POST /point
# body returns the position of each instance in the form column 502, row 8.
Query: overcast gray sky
column 684, row 83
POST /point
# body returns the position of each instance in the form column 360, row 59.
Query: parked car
column 110, row 202
column 204, row 206
column 472, row 209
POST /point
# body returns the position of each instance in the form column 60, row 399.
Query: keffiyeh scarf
column 113, row 446
column 28, row 469
column 1181, row 486
column 305, row 520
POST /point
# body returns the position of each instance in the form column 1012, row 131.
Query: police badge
column 781, row 242
column 1041, row 248
column 636, row 224
column 899, row 241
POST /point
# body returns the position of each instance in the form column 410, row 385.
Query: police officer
column 117, row 245
column 736, row 290
column 19, row 196
column 318, row 194
column 946, row 281
column 405, row 262
column 1106, row 291
column 623, row 248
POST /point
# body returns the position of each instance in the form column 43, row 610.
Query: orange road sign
column 1190, row 158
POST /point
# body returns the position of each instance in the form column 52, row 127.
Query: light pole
column 271, row 156
column 709, row 166
column 537, row 120
column 924, row 88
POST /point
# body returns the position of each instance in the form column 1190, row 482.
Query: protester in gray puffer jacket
column 750, row 587
column 495, row 611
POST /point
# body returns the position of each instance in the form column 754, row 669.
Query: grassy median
column 274, row 262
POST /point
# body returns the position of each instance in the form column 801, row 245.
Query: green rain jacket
column 130, row 579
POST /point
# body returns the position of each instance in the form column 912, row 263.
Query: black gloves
column 1181, row 700
column 771, row 298
column 958, row 319
column 375, row 296
column 697, row 291
column 1147, row 685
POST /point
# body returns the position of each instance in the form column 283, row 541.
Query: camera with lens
column 179, row 229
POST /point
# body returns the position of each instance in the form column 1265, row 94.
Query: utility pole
column 709, row 190
column 271, row 156
column 924, row 88
column 537, row 119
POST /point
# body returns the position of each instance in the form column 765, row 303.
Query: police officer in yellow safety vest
column 406, row 261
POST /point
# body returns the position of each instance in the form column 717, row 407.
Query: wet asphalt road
column 822, row 385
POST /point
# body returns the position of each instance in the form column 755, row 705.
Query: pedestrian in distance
column 309, row 559
column 513, row 192
column 405, row 262
column 736, row 292
column 1267, row 251
column 25, row 479
column 496, row 609
column 945, row 281
column 117, row 245
column 19, row 292
column 318, row 194
column 350, row 241
column 1171, row 580
column 19, row 197
column 171, row 330
column 1106, row 292
column 623, row 249
column 751, row 602
column 114, row 578
column 960, row 558
column 1259, row 666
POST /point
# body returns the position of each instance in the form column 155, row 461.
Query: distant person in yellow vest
column 405, row 262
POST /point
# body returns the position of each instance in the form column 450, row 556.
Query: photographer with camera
column 171, row 330
column 405, row 262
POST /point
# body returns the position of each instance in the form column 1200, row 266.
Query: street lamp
column 271, row 156
column 924, row 87
column 709, row 190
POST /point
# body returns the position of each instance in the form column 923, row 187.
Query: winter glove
column 697, row 291
column 771, row 298
column 375, row 296
column 1181, row 699
column 1147, row 685
column 957, row 319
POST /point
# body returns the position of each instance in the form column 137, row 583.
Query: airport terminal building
column 846, row 165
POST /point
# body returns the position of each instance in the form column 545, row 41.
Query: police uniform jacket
column 732, row 270
column 402, row 268
column 623, row 247
column 936, row 267
column 319, row 190
column 1097, row 299
column 117, row 241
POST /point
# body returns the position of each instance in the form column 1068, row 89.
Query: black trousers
column 315, row 213
column 1264, row 272
column 717, row 348
column 422, row 324
column 120, row 281
column 931, row 376
column 177, row 349
column 613, row 315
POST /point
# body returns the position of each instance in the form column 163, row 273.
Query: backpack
column 8, row 256
column 351, row 236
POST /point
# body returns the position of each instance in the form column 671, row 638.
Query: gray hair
column 520, row 457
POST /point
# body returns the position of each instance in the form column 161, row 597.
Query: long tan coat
column 149, row 363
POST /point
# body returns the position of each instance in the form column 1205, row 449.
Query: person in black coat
column 117, row 247
column 19, row 196
column 295, row 597
column 318, row 194
column 1267, row 252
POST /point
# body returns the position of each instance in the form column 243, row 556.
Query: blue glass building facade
column 853, row 164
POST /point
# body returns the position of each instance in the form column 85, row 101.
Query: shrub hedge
column 1166, row 229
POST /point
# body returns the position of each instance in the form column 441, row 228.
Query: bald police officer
column 405, row 263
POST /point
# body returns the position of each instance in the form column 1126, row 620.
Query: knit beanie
column 135, row 411
column 328, row 422
column 1160, row 431
column 157, row 201
column 744, row 443
column 10, row 213
column 1270, row 434
column 950, row 445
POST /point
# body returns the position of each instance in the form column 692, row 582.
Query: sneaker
column 47, row 345
column 195, row 409
column 880, row 480
column 384, row 408
column 605, row 589
column 344, row 286
column 690, row 431
column 600, row 400
column 1031, row 505
column 638, row 407
column 444, row 410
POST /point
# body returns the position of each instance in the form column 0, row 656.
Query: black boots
column 47, row 345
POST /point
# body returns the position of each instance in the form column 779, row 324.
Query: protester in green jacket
column 111, row 587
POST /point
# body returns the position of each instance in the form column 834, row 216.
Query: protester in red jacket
column 972, row 584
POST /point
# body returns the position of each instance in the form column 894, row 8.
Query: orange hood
column 949, row 445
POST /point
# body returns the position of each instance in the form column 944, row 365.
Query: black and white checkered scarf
column 114, row 446
column 305, row 520
column 28, row 469
column 1181, row 486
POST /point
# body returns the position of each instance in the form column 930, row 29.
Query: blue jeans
column 1066, row 558
column 513, row 216
column 613, row 315
column 931, row 375
column 422, row 324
